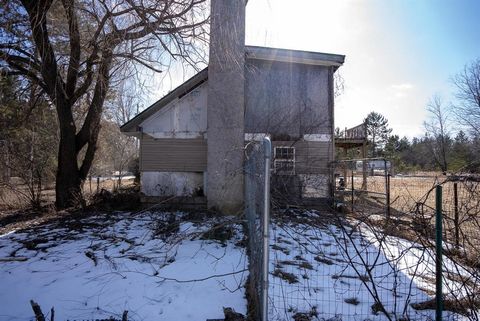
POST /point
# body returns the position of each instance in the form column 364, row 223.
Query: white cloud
column 402, row 87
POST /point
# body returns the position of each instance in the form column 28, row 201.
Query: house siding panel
column 310, row 157
column 173, row 155
column 287, row 100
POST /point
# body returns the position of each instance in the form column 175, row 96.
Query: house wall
column 172, row 166
column 312, row 175
column 287, row 100
column 172, row 154
column 185, row 117
column 171, row 183
column 173, row 148
column 294, row 102
column 310, row 157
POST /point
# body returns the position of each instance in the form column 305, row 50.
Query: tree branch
column 74, row 39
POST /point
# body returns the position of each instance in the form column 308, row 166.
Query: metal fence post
column 456, row 219
column 438, row 274
column 387, row 187
column 388, row 195
column 267, row 144
column 353, row 193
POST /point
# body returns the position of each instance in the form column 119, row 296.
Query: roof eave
column 294, row 56
column 132, row 126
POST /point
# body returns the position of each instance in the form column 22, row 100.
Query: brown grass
column 16, row 196
column 412, row 199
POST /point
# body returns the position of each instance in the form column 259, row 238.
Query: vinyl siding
column 310, row 157
column 190, row 155
column 173, row 155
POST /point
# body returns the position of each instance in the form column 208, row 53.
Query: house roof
column 251, row 52
column 179, row 92
column 294, row 56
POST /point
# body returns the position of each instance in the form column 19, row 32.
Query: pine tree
column 377, row 132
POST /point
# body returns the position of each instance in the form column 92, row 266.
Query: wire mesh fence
column 362, row 184
column 377, row 259
column 460, row 241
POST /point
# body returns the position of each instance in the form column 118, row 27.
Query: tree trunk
column 68, row 181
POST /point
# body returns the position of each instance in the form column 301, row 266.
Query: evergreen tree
column 460, row 151
column 377, row 132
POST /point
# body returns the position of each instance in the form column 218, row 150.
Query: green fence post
column 456, row 218
column 388, row 195
column 353, row 194
column 438, row 239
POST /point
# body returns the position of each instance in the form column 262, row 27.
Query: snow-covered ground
column 318, row 272
column 102, row 265
column 162, row 266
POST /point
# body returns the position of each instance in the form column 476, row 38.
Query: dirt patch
column 219, row 232
column 279, row 248
column 306, row 316
column 289, row 277
column 457, row 306
column 22, row 219
column 323, row 260
column 363, row 278
column 124, row 199
column 353, row 301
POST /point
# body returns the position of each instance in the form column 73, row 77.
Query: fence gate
column 362, row 185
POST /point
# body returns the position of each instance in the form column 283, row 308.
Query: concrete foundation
column 315, row 186
column 171, row 183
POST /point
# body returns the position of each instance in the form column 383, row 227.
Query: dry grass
column 413, row 198
column 16, row 212
column 11, row 199
column 16, row 196
column 91, row 187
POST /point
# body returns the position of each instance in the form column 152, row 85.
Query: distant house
column 203, row 124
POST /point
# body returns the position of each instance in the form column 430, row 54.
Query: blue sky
column 399, row 53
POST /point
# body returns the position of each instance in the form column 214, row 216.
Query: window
column 284, row 160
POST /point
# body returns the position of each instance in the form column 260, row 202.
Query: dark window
column 284, row 160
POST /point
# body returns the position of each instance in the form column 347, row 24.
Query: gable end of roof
column 177, row 93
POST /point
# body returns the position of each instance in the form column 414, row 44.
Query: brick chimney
column 225, row 111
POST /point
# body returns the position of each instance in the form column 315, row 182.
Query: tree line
column 29, row 141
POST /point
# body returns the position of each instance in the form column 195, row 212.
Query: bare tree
column 75, row 49
column 339, row 84
column 437, row 131
column 27, row 143
column 467, row 107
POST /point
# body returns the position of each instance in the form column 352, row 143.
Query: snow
column 98, row 266
column 416, row 260
column 103, row 265
column 317, row 269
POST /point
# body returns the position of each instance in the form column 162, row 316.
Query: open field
column 16, row 195
column 412, row 198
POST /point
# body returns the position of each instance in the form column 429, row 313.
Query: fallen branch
column 13, row 259
column 38, row 311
